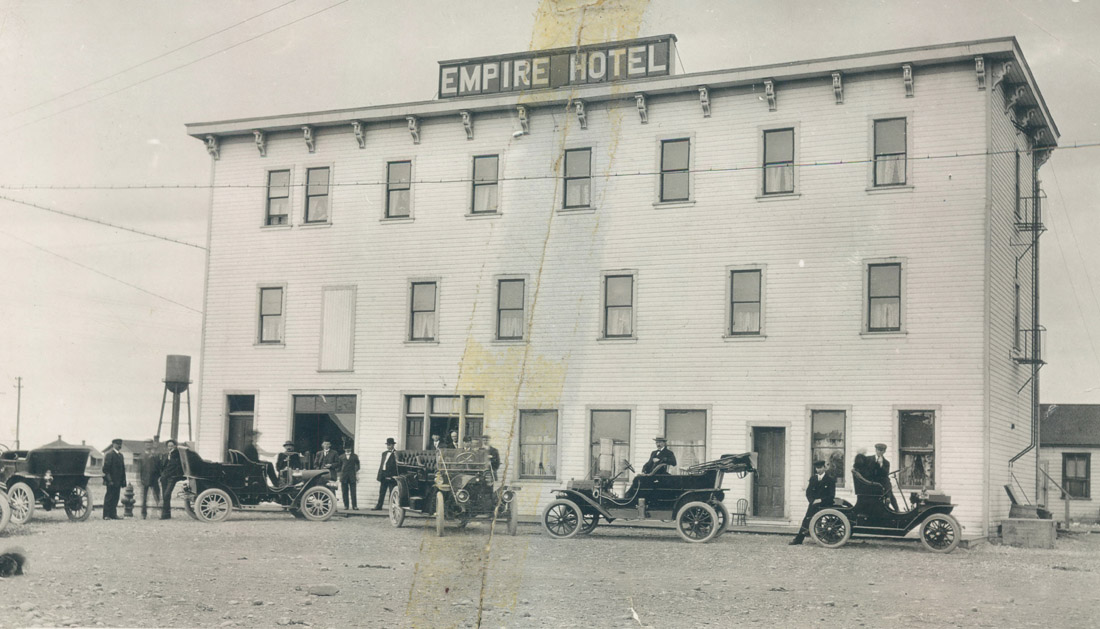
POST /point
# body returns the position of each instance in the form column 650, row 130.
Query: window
column 398, row 189
column 278, row 197
column 675, row 156
column 1075, row 475
column 538, row 444
column 779, row 161
column 510, row 300
column 686, row 431
column 271, row 315
column 884, row 297
column 442, row 414
column 610, row 439
column 827, row 442
column 890, row 150
column 337, row 328
column 618, row 299
column 917, row 449
column 239, row 418
column 744, row 302
column 317, row 202
column 323, row 417
column 578, row 178
column 422, row 319
column 485, row 185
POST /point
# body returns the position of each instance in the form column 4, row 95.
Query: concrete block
column 1028, row 533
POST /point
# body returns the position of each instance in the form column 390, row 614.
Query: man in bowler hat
column 660, row 459
column 114, row 476
column 348, row 466
column 171, row 472
column 820, row 492
column 880, row 473
column 386, row 471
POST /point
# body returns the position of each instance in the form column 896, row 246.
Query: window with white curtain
column 422, row 316
column 271, row 314
column 618, row 299
column 317, row 195
column 486, row 185
column 278, row 197
column 399, row 189
column 884, row 297
column 890, row 151
column 510, row 300
column 538, row 444
column 686, row 431
column 745, row 302
column 779, row 161
column 578, row 178
column 675, row 170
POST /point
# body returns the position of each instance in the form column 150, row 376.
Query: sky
column 96, row 94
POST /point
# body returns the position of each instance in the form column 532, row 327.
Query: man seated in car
column 660, row 459
column 288, row 460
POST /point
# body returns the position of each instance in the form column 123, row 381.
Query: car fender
column 319, row 479
column 206, row 483
column 581, row 500
column 694, row 496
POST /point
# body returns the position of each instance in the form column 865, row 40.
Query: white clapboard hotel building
column 574, row 251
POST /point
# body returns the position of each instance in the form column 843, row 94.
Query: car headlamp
column 462, row 495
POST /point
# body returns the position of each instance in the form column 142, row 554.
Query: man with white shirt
column 820, row 492
column 386, row 471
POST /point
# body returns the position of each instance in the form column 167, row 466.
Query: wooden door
column 239, row 429
column 770, row 445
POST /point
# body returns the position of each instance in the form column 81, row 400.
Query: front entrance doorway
column 770, row 446
column 320, row 418
column 240, row 411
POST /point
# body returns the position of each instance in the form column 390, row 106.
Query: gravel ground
column 257, row 570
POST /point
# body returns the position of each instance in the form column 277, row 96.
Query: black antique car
column 212, row 490
column 450, row 484
column 692, row 499
column 49, row 477
column 5, row 508
column 930, row 514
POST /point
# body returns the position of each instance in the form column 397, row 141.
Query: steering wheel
column 628, row 467
column 462, row 457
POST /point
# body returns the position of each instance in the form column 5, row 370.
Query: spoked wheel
column 318, row 503
column 940, row 533
column 723, row 517
column 21, row 499
column 562, row 519
column 697, row 522
column 5, row 508
column 213, row 505
column 440, row 513
column 589, row 521
column 397, row 512
column 513, row 519
column 78, row 504
column 830, row 528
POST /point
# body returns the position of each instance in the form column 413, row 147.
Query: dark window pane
column 779, row 146
column 885, row 280
column 578, row 163
column 620, row 290
column 674, row 154
column 485, row 168
column 917, row 429
column 511, row 293
column 890, row 136
column 674, row 186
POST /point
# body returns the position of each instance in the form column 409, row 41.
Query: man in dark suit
column 452, row 441
column 171, row 472
column 249, row 450
column 150, row 477
column 820, row 492
column 348, row 473
column 326, row 459
column 114, row 476
column 386, row 471
column 436, row 444
column 880, row 473
column 660, row 459
column 494, row 454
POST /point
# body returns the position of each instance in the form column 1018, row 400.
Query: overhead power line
column 179, row 67
column 98, row 272
column 147, row 61
column 99, row 222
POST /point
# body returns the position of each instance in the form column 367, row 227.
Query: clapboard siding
column 812, row 245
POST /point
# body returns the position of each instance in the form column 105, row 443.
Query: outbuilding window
column 1075, row 475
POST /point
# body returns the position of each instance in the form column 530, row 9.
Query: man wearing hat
column 288, row 459
column 880, row 473
column 660, row 459
column 820, row 492
column 386, row 471
column 171, row 472
column 326, row 459
column 114, row 476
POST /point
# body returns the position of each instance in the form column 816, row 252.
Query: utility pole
column 18, row 404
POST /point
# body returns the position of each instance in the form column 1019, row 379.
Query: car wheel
column 589, row 521
column 723, row 517
column 318, row 503
column 5, row 509
column 78, row 504
column 830, row 528
column 213, row 505
column 440, row 513
column 21, row 499
column 189, row 507
column 562, row 519
column 397, row 512
column 513, row 519
column 697, row 522
column 940, row 533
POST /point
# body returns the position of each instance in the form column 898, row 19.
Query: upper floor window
column 1075, row 475
column 422, row 319
column 510, row 300
column 486, row 185
column 884, row 297
column 890, row 152
column 779, row 161
column 278, row 197
column 578, row 178
column 398, row 189
column 271, row 315
column 675, row 159
column 745, row 302
column 317, row 195
column 618, row 299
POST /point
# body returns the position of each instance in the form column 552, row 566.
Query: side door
column 769, row 481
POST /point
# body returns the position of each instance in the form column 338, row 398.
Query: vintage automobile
column 930, row 514
column 49, row 477
column 5, row 508
column 450, row 484
column 692, row 499
column 212, row 490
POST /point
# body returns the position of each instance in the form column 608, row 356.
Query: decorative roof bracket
column 360, row 131
column 838, row 88
column 1013, row 96
column 979, row 69
column 704, row 100
column 769, row 93
column 307, row 134
column 524, row 125
column 261, row 141
column 1039, row 136
column 907, row 78
column 467, row 124
column 642, row 113
column 999, row 77
column 1040, row 156
column 1033, row 118
column 579, row 106
column 212, row 146
column 414, row 128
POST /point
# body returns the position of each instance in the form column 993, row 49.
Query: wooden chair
column 740, row 514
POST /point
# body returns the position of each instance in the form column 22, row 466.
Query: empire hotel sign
column 600, row 63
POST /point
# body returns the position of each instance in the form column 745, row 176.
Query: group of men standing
column 342, row 466
column 159, row 474
column 866, row 471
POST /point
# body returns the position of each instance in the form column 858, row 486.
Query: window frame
column 557, row 445
column 474, row 185
column 689, row 137
column 604, row 275
column 566, row 178
column 426, row 417
column 497, row 338
column 306, row 196
column 227, row 414
column 865, row 306
column 259, row 340
column 410, row 313
column 631, row 429
column 1087, row 479
column 872, row 175
column 728, row 332
column 937, row 421
column 289, row 197
column 706, row 409
column 764, row 131
column 389, row 188
column 847, row 450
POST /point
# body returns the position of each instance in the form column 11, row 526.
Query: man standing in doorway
column 171, row 472
column 881, row 474
column 114, row 476
column 349, row 473
column 326, row 459
column 386, row 471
